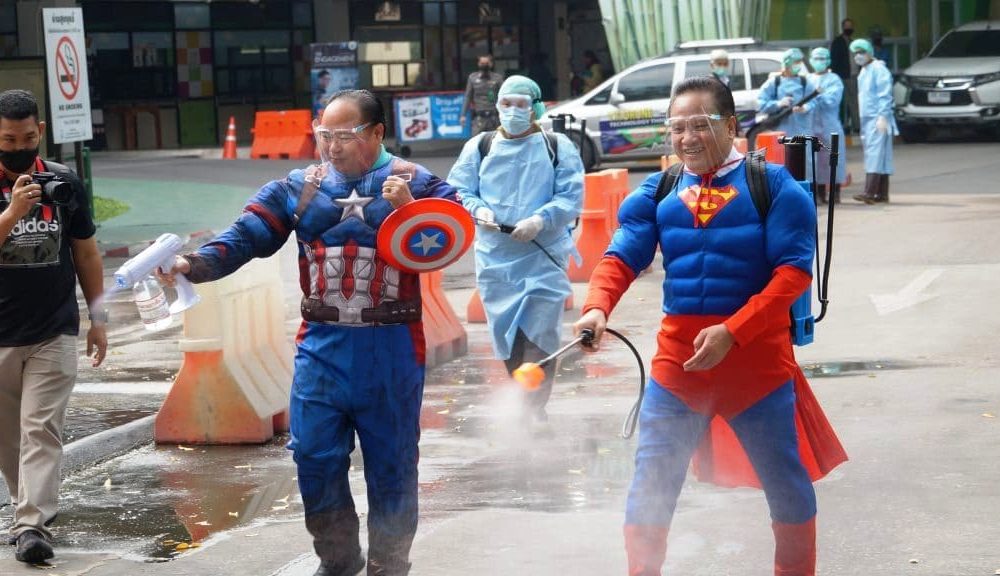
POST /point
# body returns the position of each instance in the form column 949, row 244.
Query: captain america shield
column 425, row 235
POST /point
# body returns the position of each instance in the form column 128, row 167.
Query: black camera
column 55, row 190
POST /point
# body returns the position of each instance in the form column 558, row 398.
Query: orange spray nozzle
column 529, row 375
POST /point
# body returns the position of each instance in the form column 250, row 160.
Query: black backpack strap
column 802, row 81
column 760, row 190
column 552, row 144
column 485, row 142
column 668, row 182
column 777, row 80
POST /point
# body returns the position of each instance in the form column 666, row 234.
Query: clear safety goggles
column 699, row 123
column 515, row 101
column 326, row 136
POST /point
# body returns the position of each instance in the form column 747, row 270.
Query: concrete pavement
column 905, row 366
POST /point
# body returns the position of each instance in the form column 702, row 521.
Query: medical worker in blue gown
column 532, row 181
column 878, row 125
column 785, row 90
column 825, row 111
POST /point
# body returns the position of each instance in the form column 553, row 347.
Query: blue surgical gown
column 875, row 100
column 520, row 286
column 825, row 110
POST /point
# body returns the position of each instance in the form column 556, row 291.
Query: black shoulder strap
column 802, row 81
column 551, row 145
column 777, row 80
column 668, row 182
column 485, row 142
column 760, row 190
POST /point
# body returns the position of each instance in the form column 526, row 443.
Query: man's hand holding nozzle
column 596, row 321
column 181, row 266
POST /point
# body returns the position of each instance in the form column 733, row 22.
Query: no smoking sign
column 67, row 68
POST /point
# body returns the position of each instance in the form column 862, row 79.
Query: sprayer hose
column 632, row 420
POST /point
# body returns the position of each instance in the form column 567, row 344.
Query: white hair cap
column 718, row 54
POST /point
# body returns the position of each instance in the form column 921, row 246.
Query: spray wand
column 530, row 375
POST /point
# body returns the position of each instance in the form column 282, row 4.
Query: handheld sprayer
column 159, row 255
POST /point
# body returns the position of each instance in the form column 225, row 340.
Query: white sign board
column 66, row 63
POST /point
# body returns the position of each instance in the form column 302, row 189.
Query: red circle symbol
column 67, row 68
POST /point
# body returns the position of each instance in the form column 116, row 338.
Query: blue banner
column 431, row 117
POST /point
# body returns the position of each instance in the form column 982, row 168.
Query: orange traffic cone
column 229, row 148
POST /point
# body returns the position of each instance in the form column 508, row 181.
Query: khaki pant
column 35, row 385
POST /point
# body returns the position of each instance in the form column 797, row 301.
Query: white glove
column 882, row 125
column 785, row 102
column 527, row 229
column 484, row 216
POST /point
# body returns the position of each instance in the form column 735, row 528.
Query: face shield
column 347, row 150
column 700, row 135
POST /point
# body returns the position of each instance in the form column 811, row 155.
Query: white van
column 626, row 114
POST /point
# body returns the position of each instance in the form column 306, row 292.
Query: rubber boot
column 646, row 549
column 388, row 555
column 795, row 548
column 871, row 189
column 883, row 189
column 335, row 539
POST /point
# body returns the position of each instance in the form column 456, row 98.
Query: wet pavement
column 911, row 393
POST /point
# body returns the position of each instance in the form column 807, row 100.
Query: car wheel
column 913, row 133
column 587, row 153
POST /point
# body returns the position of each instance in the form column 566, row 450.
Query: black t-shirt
column 37, row 275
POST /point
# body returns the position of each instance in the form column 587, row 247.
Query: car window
column 650, row 83
column 601, row 97
column 737, row 80
column 968, row 44
column 760, row 69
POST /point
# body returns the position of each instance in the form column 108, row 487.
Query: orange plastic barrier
column 283, row 135
column 236, row 375
column 775, row 153
column 603, row 193
column 444, row 335
column 229, row 148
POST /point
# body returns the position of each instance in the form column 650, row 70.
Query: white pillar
column 832, row 24
column 911, row 7
column 935, row 21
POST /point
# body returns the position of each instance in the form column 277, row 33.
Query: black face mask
column 848, row 31
column 18, row 161
column 485, row 69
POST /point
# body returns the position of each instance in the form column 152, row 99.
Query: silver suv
column 958, row 83
column 625, row 115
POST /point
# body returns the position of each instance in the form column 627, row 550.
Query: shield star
column 428, row 242
column 353, row 206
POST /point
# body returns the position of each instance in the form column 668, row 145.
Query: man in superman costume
column 725, row 387
column 359, row 366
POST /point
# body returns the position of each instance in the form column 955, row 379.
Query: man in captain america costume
column 724, row 386
column 359, row 366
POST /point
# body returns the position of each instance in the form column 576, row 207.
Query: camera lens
column 56, row 192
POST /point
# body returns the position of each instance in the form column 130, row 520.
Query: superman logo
column 706, row 203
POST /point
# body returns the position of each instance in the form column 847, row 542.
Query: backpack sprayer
column 795, row 161
column 159, row 255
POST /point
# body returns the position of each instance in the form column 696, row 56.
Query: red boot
column 646, row 548
column 795, row 548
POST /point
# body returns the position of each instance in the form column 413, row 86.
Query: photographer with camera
column 48, row 242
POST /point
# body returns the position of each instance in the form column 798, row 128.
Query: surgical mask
column 18, row 161
column 720, row 71
column 819, row 65
column 796, row 69
column 515, row 120
column 861, row 58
